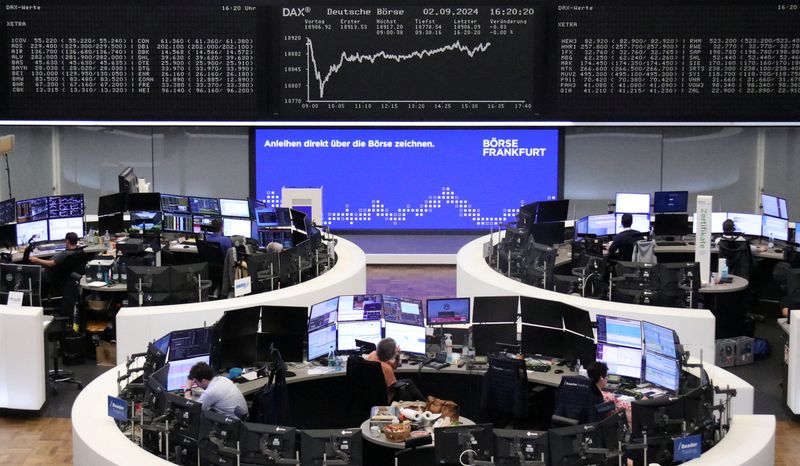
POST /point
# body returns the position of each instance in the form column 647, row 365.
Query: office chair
column 577, row 400
column 505, row 396
column 366, row 388
column 211, row 253
column 740, row 260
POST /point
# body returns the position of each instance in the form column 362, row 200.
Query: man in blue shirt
column 215, row 236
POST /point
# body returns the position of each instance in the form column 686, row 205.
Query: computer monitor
column 542, row 341
column 237, row 227
column 284, row 319
column 150, row 279
column 201, row 223
column 662, row 371
column 298, row 219
column 114, row 223
column 551, row 233
column 8, row 211
column 323, row 314
column 485, row 337
column 671, row 225
column 188, row 344
column 69, row 205
column 162, row 344
column 59, row 227
column 717, row 218
column 238, row 323
column 178, row 223
column 552, row 211
column 189, row 415
column 174, row 203
column 633, row 203
column 670, row 201
column 602, row 225
column 111, row 204
column 746, row 224
column 659, row 339
column 775, row 228
column 146, row 221
column 263, row 444
column 360, row 307
column 495, row 309
column 223, row 433
column 403, row 310
column 578, row 347
column 410, row 338
column 447, row 311
column 514, row 447
column 24, row 278
column 621, row 361
column 32, row 231
column 266, row 217
column 282, row 236
column 321, row 341
column 582, row 226
column 144, row 202
column 619, row 331
column 577, row 320
column 567, row 445
column 8, row 236
column 774, row 206
column 263, row 268
column 649, row 415
column 179, row 371
column 452, row 443
column 204, row 206
column 336, row 446
column 234, row 208
column 349, row 332
column 32, row 210
column 291, row 347
column 542, row 312
column 641, row 222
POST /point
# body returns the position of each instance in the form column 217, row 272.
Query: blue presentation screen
column 394, row 179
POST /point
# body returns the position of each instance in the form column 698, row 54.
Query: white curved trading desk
column 22, row 367
column 137, row 326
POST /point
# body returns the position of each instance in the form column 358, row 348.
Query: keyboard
column 626, row 392
column 437, row 365
column 50, row 247
column 670, row 243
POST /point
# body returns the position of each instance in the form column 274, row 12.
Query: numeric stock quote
column 591, row 61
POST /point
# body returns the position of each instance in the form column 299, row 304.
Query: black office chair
column 577, row 402
column 740, row 260
column 505, row 396
column 366, row 388
column 211, row 253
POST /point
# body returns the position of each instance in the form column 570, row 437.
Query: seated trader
column 622, row 246
column 54, row 267
column 729, row 233
column 215, row 236
column 219, row 393
column 388, row 354
column 598, row 373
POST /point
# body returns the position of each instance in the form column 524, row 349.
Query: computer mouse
column 558, row 371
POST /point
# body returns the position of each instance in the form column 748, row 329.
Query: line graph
column 311, row 62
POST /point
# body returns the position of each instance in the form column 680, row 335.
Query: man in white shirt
column 219, row 393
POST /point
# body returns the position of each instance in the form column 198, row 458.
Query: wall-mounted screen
column 474, row 178
column 670, row 201
column 633, row 203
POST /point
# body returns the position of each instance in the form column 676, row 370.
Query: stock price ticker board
column 264, row 60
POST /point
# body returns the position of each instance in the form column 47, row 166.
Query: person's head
column 598, row 372
column 274, row 246
column 201, row 374
column 728, row 227
column 215, row 226
column 386, row 349
column 71, row 240
column 627, row 220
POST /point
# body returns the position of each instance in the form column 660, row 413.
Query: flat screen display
column 661, row 371
column 659, row 339
column 776, row 228
column 70, row 205
column 146, row 221
column 641, row 222
column 59, row 227
column 602, row 225
column 621, row 361
column 456, row 192
column 32, row 231
column 717, row 218
column 237, row 227
column 360, row 307
column 582, row 226
column 448, row 311
column 774, row 206
column 179, row 371
column 665, row 202
column 633, row 203
column 321, row 341
column 234, row 208
column 746, row 224
column 349, row 332
column 200, row 223
column 410, row 338
column 323, row 314
column 403, row 310
column 32, row 210
column 619, row 331
column 177, row 222
column 174, row 203
column 8, row 211
column 204, row 205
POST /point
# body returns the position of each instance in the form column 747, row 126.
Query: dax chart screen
column 394, row 179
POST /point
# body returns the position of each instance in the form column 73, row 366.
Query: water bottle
column 106, row 240
column 771, row 244
column 331, row 359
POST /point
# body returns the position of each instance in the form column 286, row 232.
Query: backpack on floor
column 761, row 348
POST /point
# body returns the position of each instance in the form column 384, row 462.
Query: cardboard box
column 726, row 352
column 744, row 351
column 106, row 354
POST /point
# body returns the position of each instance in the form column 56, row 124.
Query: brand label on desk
column 241, row 287
column 15, row 298
column 117, row 408
column 687, row 448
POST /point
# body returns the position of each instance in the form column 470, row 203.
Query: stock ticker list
column 406, row 61
column 69, row 60
column 701, row 60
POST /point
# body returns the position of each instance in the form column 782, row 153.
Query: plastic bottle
column 723, row 269
column 448, row 343
column 771, row 244
column 331, row 359
column 106, row 240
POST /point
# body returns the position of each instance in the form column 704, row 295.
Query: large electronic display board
column 364, row 60
column 396, row 179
